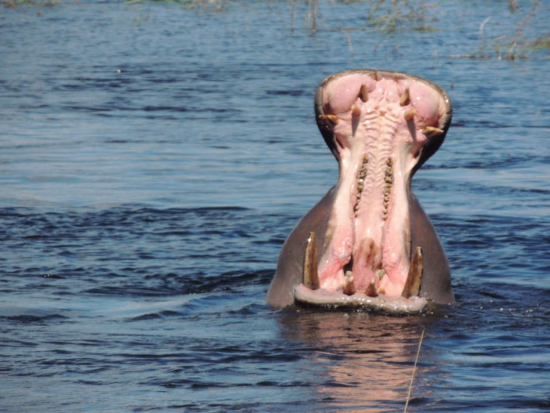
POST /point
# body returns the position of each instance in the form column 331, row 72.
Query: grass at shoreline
column 514, row 44
column 513, row 39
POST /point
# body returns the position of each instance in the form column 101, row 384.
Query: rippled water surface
column 153, row 160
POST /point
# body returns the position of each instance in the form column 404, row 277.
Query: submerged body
column 368, row 242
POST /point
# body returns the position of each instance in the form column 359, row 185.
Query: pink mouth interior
column 379, row 138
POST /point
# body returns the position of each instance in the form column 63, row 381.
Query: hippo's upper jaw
column 359, row 251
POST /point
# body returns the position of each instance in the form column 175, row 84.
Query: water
column 153, row 161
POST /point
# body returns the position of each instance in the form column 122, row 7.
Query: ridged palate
column 377, row 154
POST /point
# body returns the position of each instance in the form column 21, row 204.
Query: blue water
column 153, row 160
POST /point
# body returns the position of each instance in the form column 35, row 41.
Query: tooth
column 409, row 114
column 380, row 273
column 355, row 110
column 414, row 279
column 333, row 119
column 381, row 291
column 389, row 162
column 348, row 288
column 363, row 93
column 430, row 130
column 311, row 276
column 405, row 98
column 371, row 289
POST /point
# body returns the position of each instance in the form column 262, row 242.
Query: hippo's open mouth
column 381, row 126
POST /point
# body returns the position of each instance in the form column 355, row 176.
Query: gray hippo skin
column 368, row 242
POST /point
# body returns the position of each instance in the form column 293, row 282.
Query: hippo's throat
column 380, row 126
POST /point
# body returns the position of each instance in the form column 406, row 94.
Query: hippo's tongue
column 381, row 126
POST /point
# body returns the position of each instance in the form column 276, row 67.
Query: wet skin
column 372, row 239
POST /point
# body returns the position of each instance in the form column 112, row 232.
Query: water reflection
column 122, row 192
column 367, row 360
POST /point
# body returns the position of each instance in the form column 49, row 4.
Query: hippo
column 368, row 243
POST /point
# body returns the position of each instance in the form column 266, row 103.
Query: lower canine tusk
column 311, row 276
column 409, row 114
column 405, row 98
column 414, row 279
column 363, row 93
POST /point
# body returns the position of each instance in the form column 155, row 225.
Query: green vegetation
column 514, row 38
column 15, row 3
column 401, row 15
column 215, row 5
column 515, row 45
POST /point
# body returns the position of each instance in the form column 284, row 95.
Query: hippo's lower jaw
column 379, row 125
column 310, row 293
column 393, row 305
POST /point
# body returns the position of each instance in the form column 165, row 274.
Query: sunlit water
column 154, row 159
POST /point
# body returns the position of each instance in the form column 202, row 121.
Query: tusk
column 410, row 114
column 430, row 130
column 348, row 288
column 332, row 119
column 311, row 276
column 371, row 289
column 405, row 98
column 414, row 279
column 363, row 93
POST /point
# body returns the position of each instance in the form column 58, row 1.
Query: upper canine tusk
column 333, row 119
column 430, row 130
column 414, row 278
column 311, row 275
